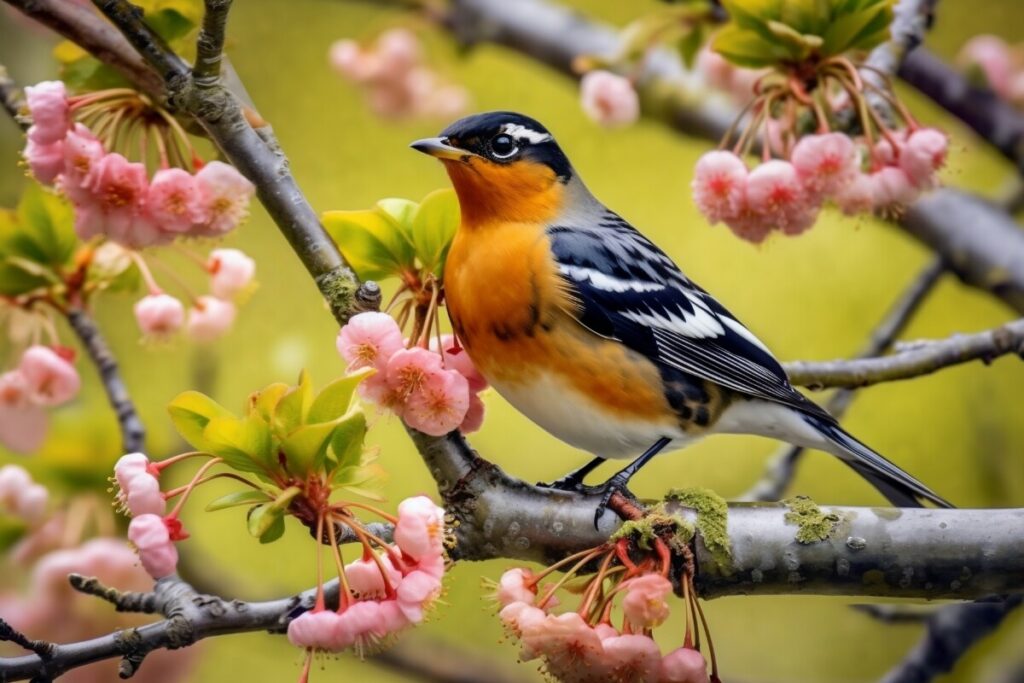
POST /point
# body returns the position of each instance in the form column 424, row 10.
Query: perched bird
column 591, row 331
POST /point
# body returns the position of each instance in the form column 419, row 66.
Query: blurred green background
column 815, row 297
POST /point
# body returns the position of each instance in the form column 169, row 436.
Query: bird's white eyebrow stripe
column 521, row 132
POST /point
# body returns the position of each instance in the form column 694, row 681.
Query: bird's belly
column 566, row 413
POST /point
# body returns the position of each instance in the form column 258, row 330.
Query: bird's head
column 504, row 166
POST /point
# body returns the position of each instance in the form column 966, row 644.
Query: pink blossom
column 45, row 161
column 392, row 617
column 431, row 563
column 225, row 195
column 857, row 196
column 420, row 528
column 609, row 99
column 210, row 318
column 719, row 185
column 992, row 56
column 129, row 466
column 350, row 61
column 456, row 358
column 366, row 580
column 174, row 202
column 21, row 496
column 313, row 630
column 408, row 369
column 825, row 163
column 23, row 423
column 923, row 155
column 775, row 195
column 159, row 315
column 561, row 639
column 521, row 616
column 369, row 340
column 362, row 624
column 474, row 415
column 644, row 604
column 892, row 188
column 513, row 587
column 50, row 379
column 142, row 496
column 116, row 194
column 606, row 631
column 231, row 272
column 632, row 657
column 48, row 106
column 439, row 405
column 82, row 153
column 151, row 537
column 398, row 50
column 683, row 665
column 415, row 593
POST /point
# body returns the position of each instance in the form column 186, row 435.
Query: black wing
column 628, row 289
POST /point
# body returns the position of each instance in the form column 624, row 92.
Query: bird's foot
column 570, row 482
column 617, row 484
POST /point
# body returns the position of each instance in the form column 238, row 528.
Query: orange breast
column 508, row 306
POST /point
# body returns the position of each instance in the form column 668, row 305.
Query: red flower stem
column 161, row 465
column 78, row 101
column 664, row 555
column 688, row 635
column 304, row 675
column 147, row 274
column 319, row 605
column 402, row 289
column 595, row 584
column 537, row 578
column 363, row 535
column 735, row 124
column 819, row 112
column 176, row 127
column 707, row 632
column 161, row 147
column 192, row 484
column 182, row 285
column 692, row 608
column 568, row 575
column 220, row 475
column 862, row 107
column 345, row 594
column 621, row 551
column 369, row 508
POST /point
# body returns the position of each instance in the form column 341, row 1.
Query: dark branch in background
column 12, row 99
column 949, row 633
column 920, row 358
column 994, row 119
column 989, row 255
column 133, row 434
column 781, row 468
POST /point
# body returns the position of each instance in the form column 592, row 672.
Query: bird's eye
column 503, row 146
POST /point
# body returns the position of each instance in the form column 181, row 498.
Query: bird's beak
column 439, row 147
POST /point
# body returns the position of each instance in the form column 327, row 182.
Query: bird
column 589, row 329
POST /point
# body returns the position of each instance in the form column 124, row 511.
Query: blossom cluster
column 574, row 648
column 788, row 194
column 385, row 591
column 151, row 531
column 45, row 377
column 999, row 64
column 434, row 390
column 22, row 497
column 394, row 78
column 609, row 99
column 114, row 196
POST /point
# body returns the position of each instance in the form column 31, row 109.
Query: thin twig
column 210, row 43
column 923, row 358
column 133, row 433
column 12, row 99
column 782, row 467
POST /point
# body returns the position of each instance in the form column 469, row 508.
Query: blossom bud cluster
column 396, row 82
column 1001, row 65
column 389, row 590
column 574, row 649
column 115, row 197
column 433, row 390
column 151, row 531
column 787, row 194
column 609, row 99
column 45, row 377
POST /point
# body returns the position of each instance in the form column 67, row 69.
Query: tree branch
column 782, row 467
column 12, row 99
column 210, row 44
column 133, row 433
column 950, row 632
column 922, row 358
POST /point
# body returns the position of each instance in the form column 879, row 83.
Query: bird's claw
column 617, row 484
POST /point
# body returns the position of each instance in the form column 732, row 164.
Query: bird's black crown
column 505, row 137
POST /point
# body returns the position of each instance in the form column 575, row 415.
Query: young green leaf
column 244, row 443
column 371, row 242
column 306, row 447
column 264, row 402
column 45, row 231
column 275, row 531
column 262, row 518
column 190, row 412
column 334, row 400
column 433, row 226
column 347, row 440
column 294, row 406
column 236, row 498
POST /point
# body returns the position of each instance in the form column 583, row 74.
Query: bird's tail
column 899, row 487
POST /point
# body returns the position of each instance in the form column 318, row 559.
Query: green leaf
column 306, row 447
column 371, row 241
column 44, row 228
column 169, row 23
column 334, row 400
column 191, row 412
column 348, row 439
column 264, row 402
column 244, row 443
column 247, row 497
column 286, row 497
column 263, row 518
column 294, row 406
column 275, row 531
column 844, row 31
column 690, row 44
column 747, row 48
column 399, row 212
column 433, row 226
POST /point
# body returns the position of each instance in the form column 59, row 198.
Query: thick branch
column 782, row 467
column 922, row 358
column 133, row 434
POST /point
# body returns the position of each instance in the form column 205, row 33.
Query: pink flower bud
column 159, row 315
column 520, row 616
column 174, row 202
column 609, row 99
column 644, row 605
column 363, row 624
column 513, row 587
column 825, row 163
column 45, row 161
column 48, row 106
column 31, row 503
column 231, row 272
column 775, row 197
column 892, row 188
column 420, row 528
column 210, row 319
column 561, row 637
column 636, row 655
column 22, row 422
column 398, row 50
column 923, row 155
column 439, row 405
column 225, row 195
column 21, row 496
column 151, row 537
column 719, row 185
column 369, row 339
column 312, row 629
column 683, row 665
column 51, row 380
column 367, row 581
column 857, row 196
column 129, row 466
column 142, row 496
column 992, row 56
column 415, row 593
